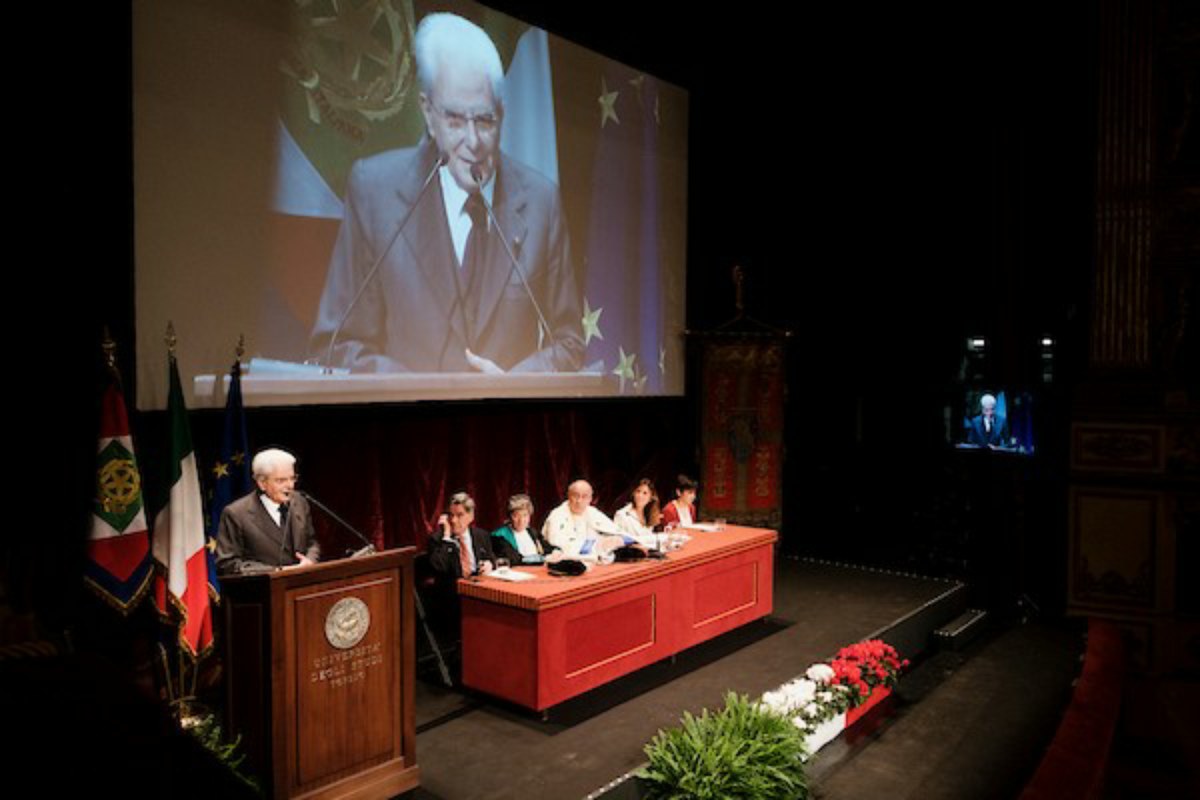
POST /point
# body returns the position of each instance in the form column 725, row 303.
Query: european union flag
column 625, row 284
column 231, row 472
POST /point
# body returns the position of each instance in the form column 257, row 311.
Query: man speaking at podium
column 451, row 256
column 271, row 527
column 988, row 429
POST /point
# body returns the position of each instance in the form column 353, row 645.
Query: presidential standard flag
column 118, row 565
column 181, row 583
column 231, row 473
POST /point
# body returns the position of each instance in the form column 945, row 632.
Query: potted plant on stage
column 745, row 750
column 870, row 670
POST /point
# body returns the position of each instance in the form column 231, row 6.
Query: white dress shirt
column 272, row 508
column 456, row 214
column 631, row 525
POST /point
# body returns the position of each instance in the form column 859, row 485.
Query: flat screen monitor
column 997, row 419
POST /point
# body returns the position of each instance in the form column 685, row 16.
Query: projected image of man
column 422, row 277
column 988, row 429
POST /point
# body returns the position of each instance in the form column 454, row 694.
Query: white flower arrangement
column 820, row 673
column 815, row 704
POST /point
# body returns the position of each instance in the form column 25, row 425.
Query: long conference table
column 539, row 642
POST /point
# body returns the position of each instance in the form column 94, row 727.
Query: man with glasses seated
column 422, row 277
column 271, row 527
column 579, row 529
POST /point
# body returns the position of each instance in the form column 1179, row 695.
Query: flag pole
column 109, row 347
column 162, row 652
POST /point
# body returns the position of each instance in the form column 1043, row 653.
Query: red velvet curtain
column 389, row 470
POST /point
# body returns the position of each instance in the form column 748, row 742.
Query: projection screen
column 379, row 238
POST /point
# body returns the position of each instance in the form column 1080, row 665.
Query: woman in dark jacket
column 516, row 541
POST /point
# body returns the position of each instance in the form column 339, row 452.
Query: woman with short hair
column 515, row 540
column 681, row 512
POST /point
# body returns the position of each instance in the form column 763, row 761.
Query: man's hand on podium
column 484, row 365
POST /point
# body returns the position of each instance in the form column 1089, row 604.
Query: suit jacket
column 249, row 541
column 416, row 314
column 443, row 553
column 998, row 437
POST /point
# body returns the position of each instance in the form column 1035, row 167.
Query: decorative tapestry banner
column 741, row 436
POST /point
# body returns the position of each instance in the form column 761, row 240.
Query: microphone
column 437, row 164
column 477, row 176
column 369, row 546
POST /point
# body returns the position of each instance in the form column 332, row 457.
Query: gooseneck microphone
column 368, row 547
column 437, row 164
column 477, row 176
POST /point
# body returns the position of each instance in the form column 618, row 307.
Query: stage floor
column 472, row 747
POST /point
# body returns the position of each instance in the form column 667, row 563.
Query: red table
column 537, row 643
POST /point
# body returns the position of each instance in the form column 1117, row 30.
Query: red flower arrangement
column 863, row 666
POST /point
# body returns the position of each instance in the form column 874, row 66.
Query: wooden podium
column 319, row 676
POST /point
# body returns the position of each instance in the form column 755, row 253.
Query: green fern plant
column 209, row 734
column 742, row 752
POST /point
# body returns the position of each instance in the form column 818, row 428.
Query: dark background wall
column 891, row 180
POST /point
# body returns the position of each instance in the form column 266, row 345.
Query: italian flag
column 181, row 583
column 118, row 563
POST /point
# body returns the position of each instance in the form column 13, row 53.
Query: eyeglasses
column 486, row 124
column 281, row 480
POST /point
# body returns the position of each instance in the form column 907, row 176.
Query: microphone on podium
column 368, row 546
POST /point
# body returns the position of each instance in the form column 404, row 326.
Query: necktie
column 475, row 253
column 464, row 558
column 283, row 526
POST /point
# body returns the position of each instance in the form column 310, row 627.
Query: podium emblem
column 347, row 623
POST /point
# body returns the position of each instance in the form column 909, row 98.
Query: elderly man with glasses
column 422, row 276
column 271, row 527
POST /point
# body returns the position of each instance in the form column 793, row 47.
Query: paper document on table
column 507, row 574
column 711, row 527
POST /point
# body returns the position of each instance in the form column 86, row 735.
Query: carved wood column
column 1134, row 494
column 1124, row 182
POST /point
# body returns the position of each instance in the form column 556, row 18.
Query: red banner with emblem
column 742, row 435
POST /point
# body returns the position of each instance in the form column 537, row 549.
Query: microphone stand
column 362, row 287
column 368, row 549
column 368, row 546
column 477, row 175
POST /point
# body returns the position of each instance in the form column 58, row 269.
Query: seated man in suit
column 458, row 549
column 988, row 429
column 271, row 527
